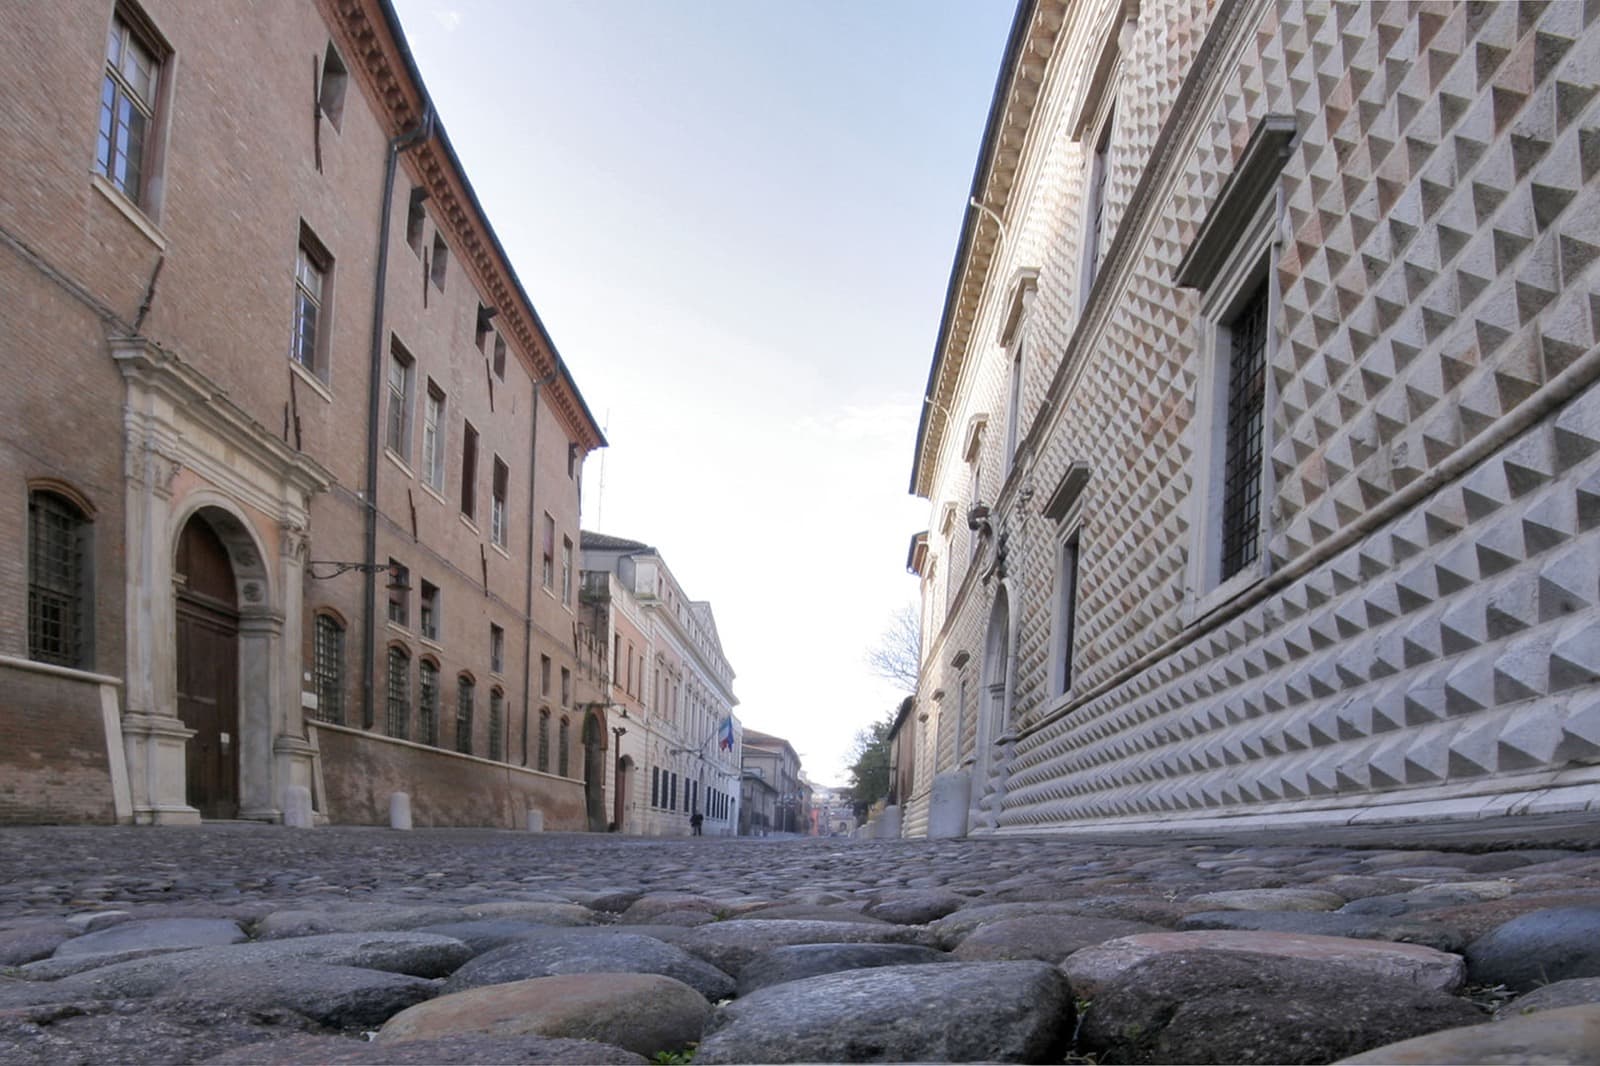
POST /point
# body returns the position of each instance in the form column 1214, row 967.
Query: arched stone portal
column 207, row 657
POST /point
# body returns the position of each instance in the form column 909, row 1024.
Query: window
column 327, row 666
column 1066, row 614
column 655, row 786
column 544, row 740
column 330, row 92
column 124, row 149
column 464, row 697
column 566, row 687
column 524, row 736
column 497, row 649
column 398, row 719
column 499, row 357
column 1094, row 212
column 572, row 460
column 59, row 595
column 312, row 268
column 497, row 711
column 566, row 571
column 1231, row 262
column 549, row 559
column 544, row 675
column 565, row 749
column 1246, row 389
column 428, row 704
column 432, row 441
column 428, row 619
column 399, row 594
column 441, row 261
column 469, row 471
column 497, row 503
column 484, row 329
column 415, row 216
column 398, row 432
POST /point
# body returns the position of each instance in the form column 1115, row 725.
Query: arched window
column 398, row 718
column 327, row 664
column 565, row 750
column 428, row 705
column 464, row 696
column 544, row 740
column 60, row 618
column 497, row 711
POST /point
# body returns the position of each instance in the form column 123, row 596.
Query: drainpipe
column 369, row 631
column 533, row 531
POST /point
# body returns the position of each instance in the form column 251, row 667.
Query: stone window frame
column 1066, row 508
column 1093, row 124
column 542, row 763
column 430, row 611
column 1234, row 252
column 497, row 649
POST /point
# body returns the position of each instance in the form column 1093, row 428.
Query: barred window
column 464, row 697
column 544, row 740
column 1241, row 488
column 428, row 704
column 59, row 611
column 497, row 747
column 565, row 751
column 398, row 719
column 328, row 668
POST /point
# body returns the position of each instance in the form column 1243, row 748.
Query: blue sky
column 737, row 221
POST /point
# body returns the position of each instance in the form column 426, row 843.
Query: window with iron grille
column 497, row 748
column 59, row 623
column 565, row 750
column 464, row 697
column 1241, row 486
column 544, row 740
column 398, row 718
column 128, row 108
column 327, row 656
column 428, row 703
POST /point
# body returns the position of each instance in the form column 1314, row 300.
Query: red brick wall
column 53, row 765
column 360, row 772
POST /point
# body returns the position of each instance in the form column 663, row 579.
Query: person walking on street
column 695, row 821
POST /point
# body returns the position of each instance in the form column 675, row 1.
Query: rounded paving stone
column 1048, row 939
column 960, row 1012
column 645, row 1013
column 1094, row 967
column 799, row 961
column 1220, row 1006
column 560, row 952
column 1538, row 948
column 1569, row 1036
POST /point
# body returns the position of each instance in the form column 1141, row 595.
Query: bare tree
column 897, row 658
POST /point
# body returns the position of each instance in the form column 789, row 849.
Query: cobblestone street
column 244, row 943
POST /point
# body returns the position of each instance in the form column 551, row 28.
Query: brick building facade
column 1262, row 433
column 293, row 468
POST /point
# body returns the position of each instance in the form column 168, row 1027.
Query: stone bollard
column 297, row 807
column 948, row 803
column 399, row 810
column 887, row 827
column 535, row 820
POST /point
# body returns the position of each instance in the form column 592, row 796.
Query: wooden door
column 208, row 670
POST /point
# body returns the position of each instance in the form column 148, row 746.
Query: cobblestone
column 1439, row 886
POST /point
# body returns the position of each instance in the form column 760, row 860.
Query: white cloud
column 448, row 17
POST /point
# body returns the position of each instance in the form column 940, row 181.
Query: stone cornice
column 1017, row 93
column 369, row 33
